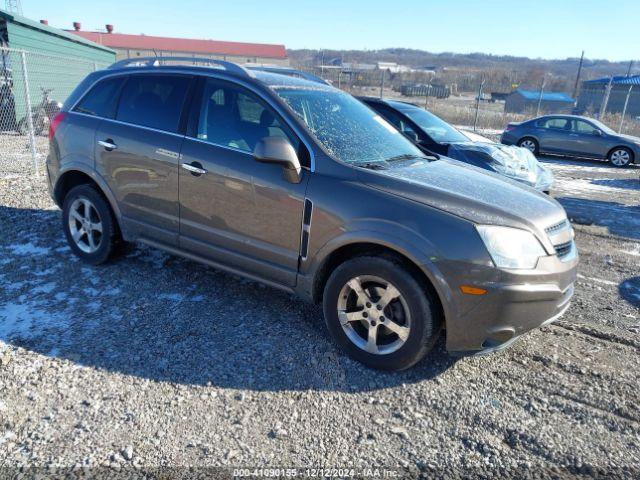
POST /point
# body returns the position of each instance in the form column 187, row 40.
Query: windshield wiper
column 380, row 165
column 406, row 156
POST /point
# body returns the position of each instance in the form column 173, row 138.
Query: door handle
column 107, row 144
column 195, row 168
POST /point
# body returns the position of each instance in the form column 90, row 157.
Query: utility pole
column 544, row 81
column 575, row 87
column 475, row 120
column 629, row 69
column 382, row 83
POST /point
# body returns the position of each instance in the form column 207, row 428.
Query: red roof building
column 131, row 46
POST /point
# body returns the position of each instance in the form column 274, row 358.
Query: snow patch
column 598, row 280
column 27, row 320
column 27, row 249
column 173, row 297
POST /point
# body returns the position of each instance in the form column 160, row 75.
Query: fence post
column 27, row 98
column 624, row 109
column 605, row 99
column 544, row 80
column 475, row 120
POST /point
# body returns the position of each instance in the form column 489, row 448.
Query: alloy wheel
column 85, row 225
column 529, row 145
column 374, row 315
column 620, row 158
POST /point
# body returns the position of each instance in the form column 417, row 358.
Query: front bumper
column 516, row 302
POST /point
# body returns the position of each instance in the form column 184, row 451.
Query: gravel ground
column 15, row 153
column 155, row 361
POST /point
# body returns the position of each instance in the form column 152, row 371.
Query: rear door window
column 153, row 101
column 101, row 101
column 557, row 124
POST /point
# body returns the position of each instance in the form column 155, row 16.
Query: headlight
column 511, row 247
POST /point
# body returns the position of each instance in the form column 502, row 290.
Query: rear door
column 239, row 212
column 555, row 135
column 138, row 151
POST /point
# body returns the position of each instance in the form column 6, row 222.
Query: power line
column 13, row 6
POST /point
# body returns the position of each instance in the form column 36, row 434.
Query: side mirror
column 597, row 133
column 279, row 150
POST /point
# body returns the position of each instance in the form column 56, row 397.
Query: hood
column 477, row 195
column 630, row 138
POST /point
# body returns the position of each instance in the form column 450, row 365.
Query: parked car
column 433, row 135
column 574, row 136
column 302, row 187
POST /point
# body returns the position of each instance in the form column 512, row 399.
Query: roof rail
column 157, row 61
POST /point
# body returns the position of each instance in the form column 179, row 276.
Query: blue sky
column 544, row 28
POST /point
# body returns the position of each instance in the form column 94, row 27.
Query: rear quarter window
column 101, row 100
column 153, row 101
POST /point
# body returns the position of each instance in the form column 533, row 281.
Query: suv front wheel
column 379, row 313
column 89, row 224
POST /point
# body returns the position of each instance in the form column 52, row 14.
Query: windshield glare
column 439, row 130
column 349, row 130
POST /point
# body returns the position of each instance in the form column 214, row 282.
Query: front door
column 590, row 140
column 233, row 209
column 138, row 152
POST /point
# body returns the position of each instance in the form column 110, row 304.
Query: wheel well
column 69, row 180
column 354, row 250
column 527, row 137
column 622, row 147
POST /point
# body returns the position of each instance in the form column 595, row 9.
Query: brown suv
column 302, row 187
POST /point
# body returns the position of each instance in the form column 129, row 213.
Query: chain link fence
column 33, row 87
column 470, row 100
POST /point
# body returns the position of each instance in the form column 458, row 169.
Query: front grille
column 563, row 249
column 556, row 228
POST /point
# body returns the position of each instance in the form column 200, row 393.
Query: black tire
column 628, row 161
column 536, row 148
column 425, row 323
column 109, row 238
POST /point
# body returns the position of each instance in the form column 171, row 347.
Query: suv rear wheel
column 89, row 224
column 379, row 313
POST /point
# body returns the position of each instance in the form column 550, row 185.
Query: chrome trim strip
column 128, row 124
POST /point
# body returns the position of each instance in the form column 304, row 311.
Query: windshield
column 439, row 130
column 349, row 130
